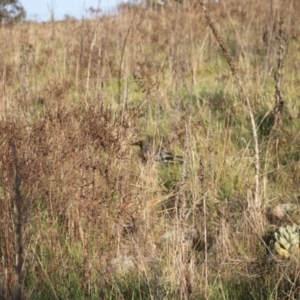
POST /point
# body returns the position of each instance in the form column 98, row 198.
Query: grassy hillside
column 83, row 217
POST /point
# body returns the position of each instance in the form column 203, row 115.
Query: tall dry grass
column 83, row 217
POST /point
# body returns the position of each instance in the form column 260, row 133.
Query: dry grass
column 83, row 217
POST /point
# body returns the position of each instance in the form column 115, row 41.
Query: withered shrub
column 75, row 177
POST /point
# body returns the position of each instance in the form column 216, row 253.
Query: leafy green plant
column 287, row 241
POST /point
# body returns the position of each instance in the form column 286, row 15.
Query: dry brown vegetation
column 84, row 218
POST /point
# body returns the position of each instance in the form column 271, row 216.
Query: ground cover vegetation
column 83, row 217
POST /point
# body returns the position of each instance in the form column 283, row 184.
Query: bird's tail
column 178, row 158
column 169, row 157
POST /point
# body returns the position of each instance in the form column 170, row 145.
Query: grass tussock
column 83, row 217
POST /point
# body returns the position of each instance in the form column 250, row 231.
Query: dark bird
column 149, row 152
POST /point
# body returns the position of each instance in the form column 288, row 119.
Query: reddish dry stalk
column 257, row 207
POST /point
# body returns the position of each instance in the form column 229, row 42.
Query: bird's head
column 139, row 143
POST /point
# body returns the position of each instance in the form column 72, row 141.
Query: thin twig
column 18, row 222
